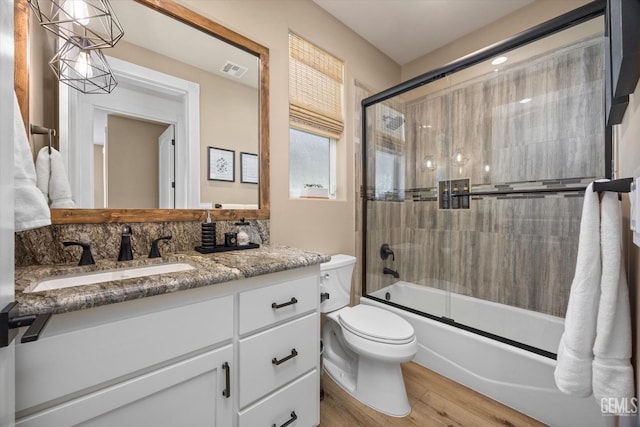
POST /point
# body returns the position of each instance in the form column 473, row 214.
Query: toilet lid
column 376, row 324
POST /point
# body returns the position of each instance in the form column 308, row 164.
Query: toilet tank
column 335, row 281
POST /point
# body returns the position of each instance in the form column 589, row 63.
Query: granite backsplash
column 44, row 245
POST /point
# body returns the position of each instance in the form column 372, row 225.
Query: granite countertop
column 210, row 269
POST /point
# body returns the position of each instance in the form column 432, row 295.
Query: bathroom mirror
column 137, row 54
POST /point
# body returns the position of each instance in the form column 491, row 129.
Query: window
column 389, row 173
column 315, row 116
column 312, row 160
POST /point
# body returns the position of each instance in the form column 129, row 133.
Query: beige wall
column 627, row 161
column 531, row 15
column 323, row 225
column 43, row 86
column 132, row 157
column 228, row 119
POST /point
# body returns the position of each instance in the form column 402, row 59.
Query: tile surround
column 517, row 246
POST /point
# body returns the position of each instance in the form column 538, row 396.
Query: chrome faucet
column 126, row 253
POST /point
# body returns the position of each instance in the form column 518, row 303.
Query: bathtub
column 498, row 364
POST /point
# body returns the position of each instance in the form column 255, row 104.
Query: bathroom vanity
column 238, row 345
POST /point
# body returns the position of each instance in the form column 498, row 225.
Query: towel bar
column 617, row 185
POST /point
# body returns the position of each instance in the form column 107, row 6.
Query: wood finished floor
column 435, row 401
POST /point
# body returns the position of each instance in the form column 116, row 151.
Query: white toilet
column 364, row 345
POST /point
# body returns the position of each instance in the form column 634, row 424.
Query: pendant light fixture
column 85, row 70
column 91, row 21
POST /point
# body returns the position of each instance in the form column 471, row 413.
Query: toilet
column 363, row 345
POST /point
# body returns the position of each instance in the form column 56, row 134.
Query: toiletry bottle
column 242, row 227
column 465, row 196
column 445, row 196
column 455, row 202
column 208, row 233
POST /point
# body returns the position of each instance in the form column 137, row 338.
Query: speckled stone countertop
column 210, row 269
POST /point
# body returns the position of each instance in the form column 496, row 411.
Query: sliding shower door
column 475, row 181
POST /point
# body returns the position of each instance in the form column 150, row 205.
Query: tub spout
column 394, row 273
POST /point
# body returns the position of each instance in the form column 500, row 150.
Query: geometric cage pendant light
column 91, row 23
column 85, row 70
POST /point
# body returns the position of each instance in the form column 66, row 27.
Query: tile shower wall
column 44, row 245
column 517, row 249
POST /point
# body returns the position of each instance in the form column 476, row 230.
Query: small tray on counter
column 222, row 248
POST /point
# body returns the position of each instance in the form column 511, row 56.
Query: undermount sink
column 108, row 276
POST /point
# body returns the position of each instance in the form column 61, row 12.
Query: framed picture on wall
column 248, row 168
column 221, row 164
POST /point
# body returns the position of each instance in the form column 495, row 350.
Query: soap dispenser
column 208, row 233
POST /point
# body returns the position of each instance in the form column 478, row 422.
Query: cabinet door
column 188, row 393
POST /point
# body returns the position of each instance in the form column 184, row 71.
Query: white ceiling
column 408, row 29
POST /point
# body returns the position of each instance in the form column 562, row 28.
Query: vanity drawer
column 67, row 361
column 263, row 307
column 300, row 398
column 272, row 358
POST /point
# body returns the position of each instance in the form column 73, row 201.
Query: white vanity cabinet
column 199, row 357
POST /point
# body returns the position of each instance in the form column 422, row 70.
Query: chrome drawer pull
column 292, row 419
column 227, row 390
column 284, row 304
column 293, row 354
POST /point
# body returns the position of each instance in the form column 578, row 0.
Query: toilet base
column 377, row 384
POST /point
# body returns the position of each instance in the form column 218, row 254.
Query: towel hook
column 41, row 130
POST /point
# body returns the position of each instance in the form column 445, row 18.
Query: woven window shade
column 315, row 89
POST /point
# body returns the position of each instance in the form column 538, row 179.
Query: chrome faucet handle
column 86, row 258
column 155, row 251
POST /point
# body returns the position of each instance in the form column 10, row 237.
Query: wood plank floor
column 435, row 401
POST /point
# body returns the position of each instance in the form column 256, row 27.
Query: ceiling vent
column 234, row 70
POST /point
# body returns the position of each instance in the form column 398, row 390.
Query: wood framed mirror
column 208, row 27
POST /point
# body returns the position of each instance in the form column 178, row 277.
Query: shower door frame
column 570, row 19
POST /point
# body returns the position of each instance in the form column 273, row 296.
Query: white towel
column 575, row 352
column 31, row 209
column 52, row 178
column 43, row 171
column 612, row 371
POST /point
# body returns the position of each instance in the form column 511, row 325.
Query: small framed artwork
column 248, row 168
column 221, row 165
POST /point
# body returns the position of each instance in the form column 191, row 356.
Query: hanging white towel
column 52, row 178
column 575, row 352
column 43, row 171
column 612, row 371
column 31, row 209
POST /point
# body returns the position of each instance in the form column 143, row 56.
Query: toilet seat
column 375, row 324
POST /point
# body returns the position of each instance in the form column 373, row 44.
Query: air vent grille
column 234, row 70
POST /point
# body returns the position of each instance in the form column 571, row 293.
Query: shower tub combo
column 488, row 357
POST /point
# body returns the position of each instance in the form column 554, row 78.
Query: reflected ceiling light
column 487, row 168
column 85, row 70
column 92, row 21
column 524, row 100
column 429, row 163
column 499, row 60
column 459, row 157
